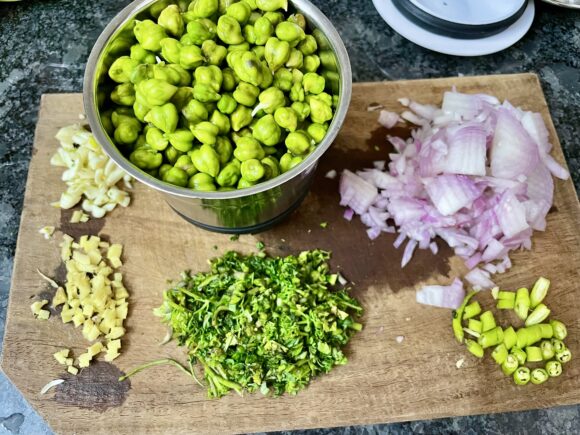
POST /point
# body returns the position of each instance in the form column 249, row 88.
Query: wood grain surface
column 384, row 381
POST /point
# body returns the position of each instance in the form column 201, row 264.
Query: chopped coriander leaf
column 234, row 237
column 260, row 246
column 261, row 323
column 323, row 224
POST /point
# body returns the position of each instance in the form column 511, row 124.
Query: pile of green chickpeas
column 220, row 95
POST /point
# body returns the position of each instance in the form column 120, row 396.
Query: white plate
column 457, row 47
column 470, row 12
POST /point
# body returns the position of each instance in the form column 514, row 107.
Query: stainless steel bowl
column 240, row 211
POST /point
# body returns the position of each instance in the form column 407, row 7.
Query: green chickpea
column 244, row 132
column 248, row 148
column 146, row 159
column 263, row 30
column 254, row 16
column 179, row 75
column 195, row 112
column 286, row 118
column 311, row 63
column 205, row 93
column 221, row 121
column 270, row 100
column 202, row 182
column 214, row 53
column 184, row 162
column 141, row 73
column 127, row 131
column 259, row 51
column 190, row 56
column 176, row 176
column 297, row 92
column 241, row 117
column 229, row 30
column 297, row 142
column 290, row 32
column 316, row 132
column 107, row 122
column 229, row 79
column 267, row 76
column 272, row 5
column 266, row 130
column 320, row 111
column 121, row 69
column 122, row 114
column 124, row 94
column 335, row 101
column 182, row 97
column 170, row 19
column 206, row 160
column 203, row 8
column 157, row 7
column 156, row 139
column 244, row 184
column 249, row 34
column 313, row 83
column 296, row 59
column 252, row 170
column 224, row 4
column 165, row 117
column 163, row 169
column 271, row 167
column 274, row 17
column 172, row 154
column 298, row 19
column 283, row 79
column 154, row 92
column 270, row 150
column 240, row 11
column 211, row 76
column 141, row 55
column 285, row 162
column 141, row 110
column 308, row 45
column 276, row 53
column 246, row 94
column 301, row 109
column 297, row 76
column 181, row 140
column 206, row 133
column 243, row 47
column 248, row 67
column 149, row 34
column 224, row 149
column 230, row 174
column 227, row 104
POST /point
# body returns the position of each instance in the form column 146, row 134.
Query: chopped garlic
column 89, row 174
column 47, row 231
column 79, row 216
column 399, row 339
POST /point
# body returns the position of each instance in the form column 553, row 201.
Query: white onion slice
column 50, row 385
column 450, row 296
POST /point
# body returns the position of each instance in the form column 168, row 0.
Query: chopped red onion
column 388, row 119
column 476, row 172
column 331, row 174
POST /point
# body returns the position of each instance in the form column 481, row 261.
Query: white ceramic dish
column 457, row 47
column 470, row 12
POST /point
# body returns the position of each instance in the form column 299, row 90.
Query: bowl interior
column 116, row 40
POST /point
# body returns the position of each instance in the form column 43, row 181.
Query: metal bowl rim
column 305, row 6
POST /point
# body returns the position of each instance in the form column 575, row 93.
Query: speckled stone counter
column 44, row 47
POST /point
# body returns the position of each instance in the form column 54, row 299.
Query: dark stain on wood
column 362, row 261
column 96, row 387
column 93, row 227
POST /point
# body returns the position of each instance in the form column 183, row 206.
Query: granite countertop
column 44, row 47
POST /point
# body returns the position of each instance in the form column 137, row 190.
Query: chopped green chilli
column 533, row 343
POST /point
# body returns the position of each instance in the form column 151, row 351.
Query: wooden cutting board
column 384, row 381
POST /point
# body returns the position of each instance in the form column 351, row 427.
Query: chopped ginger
column 61, row 356
column 72, row 370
